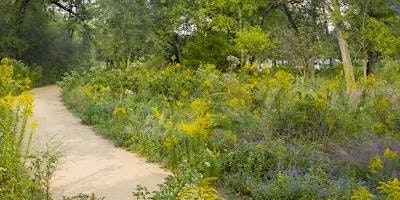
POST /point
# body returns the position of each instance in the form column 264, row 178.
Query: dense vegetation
column 15, row 138
column 260, row 134
column 248, row 99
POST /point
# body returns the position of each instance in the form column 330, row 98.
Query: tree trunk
column 346, row 59
column 177, row 48
column 309, row 68
column 370, row 60
column 344, row 48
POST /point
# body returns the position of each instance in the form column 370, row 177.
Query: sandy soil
column 88, row 163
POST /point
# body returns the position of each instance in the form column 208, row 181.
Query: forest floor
column 88, row 163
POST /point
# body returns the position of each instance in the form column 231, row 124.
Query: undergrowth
column 257, row 134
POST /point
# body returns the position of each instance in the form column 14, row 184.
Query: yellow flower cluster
column 375, row 165
column 237, row 103
column 361, row 193
column 25, row 101
column 391, row 155
column 203, row 190
column 119, row 111
column 7, row 83
column 22, row 102
column 96, row 91
column 282, row 80
column 200, row 106
column 378, row 128
column 156, row 113
column 391, row 189
column 34, row 125
column 6, row 71
column 201, row 127
column 170, row 141
column 333, row 85
column 319, row 101
column 370, row 81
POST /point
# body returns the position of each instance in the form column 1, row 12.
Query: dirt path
column 88, row 163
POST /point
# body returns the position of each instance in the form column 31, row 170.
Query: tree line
column 61, row 33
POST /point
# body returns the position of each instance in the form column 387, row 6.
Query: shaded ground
column 88, row 163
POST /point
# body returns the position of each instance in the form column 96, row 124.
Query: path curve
column 89, row 163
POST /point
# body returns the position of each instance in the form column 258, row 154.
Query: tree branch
column 290, row 18
column 69, row 10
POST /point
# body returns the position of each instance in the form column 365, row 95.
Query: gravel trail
column 88, row 162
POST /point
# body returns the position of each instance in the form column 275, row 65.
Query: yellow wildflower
column 319, row 101
column 170, row 141
column 391, row 189
column 203, row 190
column 391, row 155
column 25, row 100
column 156, row 113
column 119, row 111
column 361, row 193
column 237, row 103
column 370, row 81
column 199, row 128
column 34, row 124
column 95, row 91
column 7, row 101
column 375, row 165
column 333, row 84
column 282, row 80
column 6, row 71
column 200, row 105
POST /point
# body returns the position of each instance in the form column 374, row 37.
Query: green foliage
column 265, row 135
column 15, row 109
column 217, row 51
column 252, row 41
column 48, row 42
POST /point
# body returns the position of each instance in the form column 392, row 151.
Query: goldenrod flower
column 119, row 111
column 200, row 105
column 34, row 125
column 391, row 155
column 391, row 189
column 282, row 80
column 375, row 165
column 201, row 127
column 361, row 193
column 370, row 81
column 319, row 101
column 156, row 113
